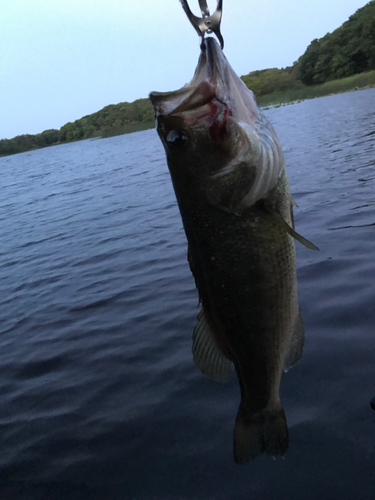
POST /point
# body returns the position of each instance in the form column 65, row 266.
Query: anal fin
column 206, row 353
column 296, row 344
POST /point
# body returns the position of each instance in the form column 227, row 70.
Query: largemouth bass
column 231, row 185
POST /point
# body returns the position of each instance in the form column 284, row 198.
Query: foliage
column 355, row 82
column 347, row 51
column 27, row 142
column 112, row 120
column 272, row 80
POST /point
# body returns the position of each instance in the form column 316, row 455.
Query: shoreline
column 353, row 83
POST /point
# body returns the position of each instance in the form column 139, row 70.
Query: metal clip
column 207, row 23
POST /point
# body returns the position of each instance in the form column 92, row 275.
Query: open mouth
column 202, row 95
column 202, row 89
column 203, row 101
column 214, row 93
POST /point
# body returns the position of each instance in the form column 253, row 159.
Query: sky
column 63, row 59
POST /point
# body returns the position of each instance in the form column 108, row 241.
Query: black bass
column 230, row 180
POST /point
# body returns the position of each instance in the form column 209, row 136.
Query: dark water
column 99, row 396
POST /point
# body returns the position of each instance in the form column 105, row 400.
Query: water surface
column 99, row 395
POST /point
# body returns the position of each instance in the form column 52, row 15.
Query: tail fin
column 263, row 432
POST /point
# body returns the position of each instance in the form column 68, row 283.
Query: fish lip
column 201, row 95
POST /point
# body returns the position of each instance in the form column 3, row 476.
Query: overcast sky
column 63, row 59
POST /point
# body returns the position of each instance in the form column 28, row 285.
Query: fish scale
column 233, row 194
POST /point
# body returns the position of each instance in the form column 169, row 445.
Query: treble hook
column 207, row 23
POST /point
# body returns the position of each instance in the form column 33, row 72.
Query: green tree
column 307, row 62
column 346, row 51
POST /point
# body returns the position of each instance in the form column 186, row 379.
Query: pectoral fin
column 277, row 218
column 206, row 353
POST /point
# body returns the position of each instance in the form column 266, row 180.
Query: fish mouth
column 214, row 89
column 217, row 104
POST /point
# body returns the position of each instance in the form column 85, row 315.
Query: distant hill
column 114, row 119
column 347, row 51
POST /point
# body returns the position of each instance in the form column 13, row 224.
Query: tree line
column 111, row 120
column 347, row 51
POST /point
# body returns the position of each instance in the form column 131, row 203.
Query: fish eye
column 176, row 139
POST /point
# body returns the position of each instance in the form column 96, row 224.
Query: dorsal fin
column 277, row 218
column 206, row 353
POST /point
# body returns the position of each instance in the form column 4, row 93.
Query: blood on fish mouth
column 219, row 126
column 203, row 108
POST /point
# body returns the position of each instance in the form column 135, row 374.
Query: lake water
column 99, row 395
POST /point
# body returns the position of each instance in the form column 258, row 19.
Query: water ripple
column 99, row 394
